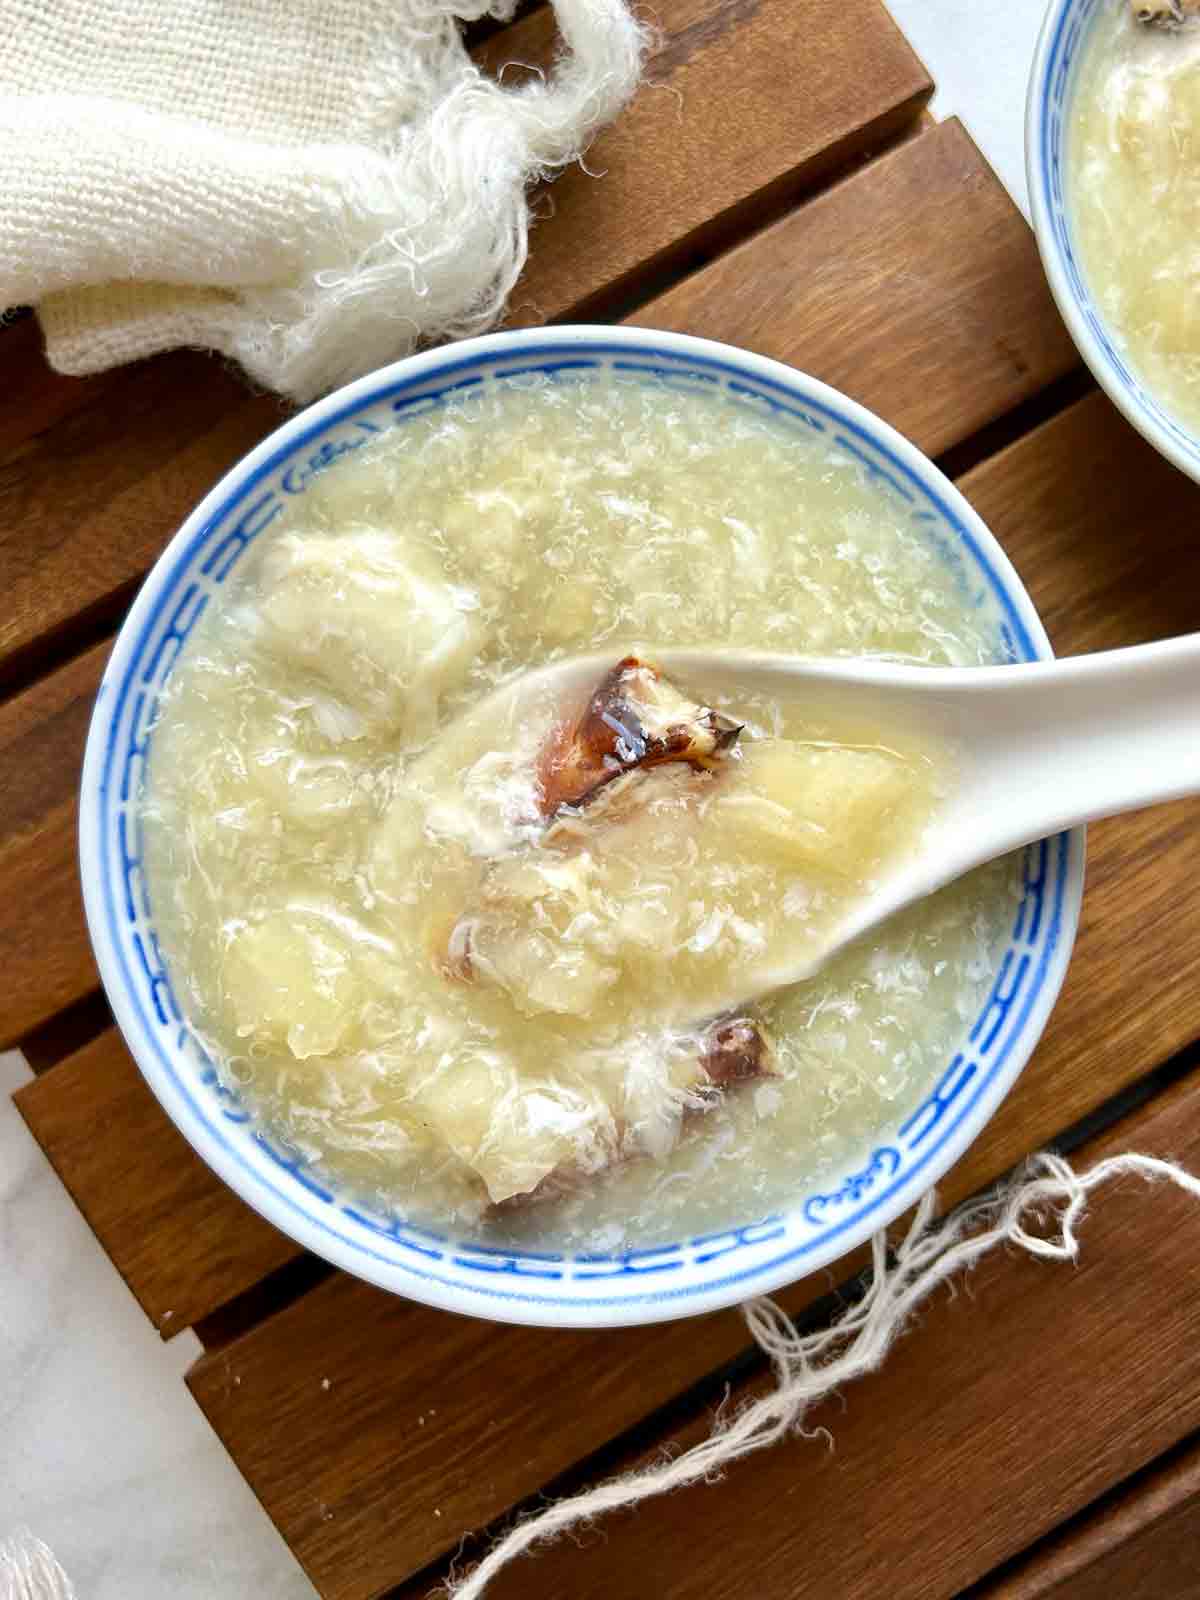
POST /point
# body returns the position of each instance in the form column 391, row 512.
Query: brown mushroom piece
column 635, row 717
column 1164, row 13
column 736, row 1051
column 674, row 869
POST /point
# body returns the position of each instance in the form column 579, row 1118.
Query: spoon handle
column 1057, row 743
column 1040, row 746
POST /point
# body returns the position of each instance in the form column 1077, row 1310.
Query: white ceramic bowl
column 451, row 1269
column 1052, row 86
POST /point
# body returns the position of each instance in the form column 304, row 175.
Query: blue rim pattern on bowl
column 627, row 1285
column 1050, row 90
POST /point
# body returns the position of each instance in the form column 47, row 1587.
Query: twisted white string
column 29, row 1571
column 809, row 1366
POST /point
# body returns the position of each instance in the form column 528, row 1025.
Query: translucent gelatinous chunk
column 291, row 978
column 369, row 618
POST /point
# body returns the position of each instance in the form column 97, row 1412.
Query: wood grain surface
column 471, row 1371
column 45, row 957
column 952, row 281
column 1140, row 1543
column 1009, row 1408
column 97, row 475
column 1100, row 527
column 32, row 397
column 184, row 1243
column 720, row 137
column 1102, row 530
column 914, row 286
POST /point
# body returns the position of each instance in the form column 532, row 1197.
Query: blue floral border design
column 636, row 1275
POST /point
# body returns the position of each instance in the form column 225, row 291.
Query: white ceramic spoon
column 1038, row 747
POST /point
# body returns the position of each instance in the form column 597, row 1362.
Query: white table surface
column 102, row 1451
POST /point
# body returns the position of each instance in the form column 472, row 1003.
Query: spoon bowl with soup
column 894, row 781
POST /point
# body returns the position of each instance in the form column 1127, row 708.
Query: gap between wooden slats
column 970, row 264
column 88, row 502
column 1144, row 861
column 186, row 1244
column 182, row 1240
column 1140, row 1542
column 487, row 1384
column 92, row 489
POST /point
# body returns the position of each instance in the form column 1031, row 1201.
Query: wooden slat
column 32, row 397
column 932, row 309
column 183, row 1242
column 744, row 112
column 1103, row 532
column 88, row 502
column 45, row 957
column 1006, row 1411
column 1142, row 1544
column 1100, row 527
column 1124, row 1009
column 956, row 276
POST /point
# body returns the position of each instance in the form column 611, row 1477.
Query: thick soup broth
column 1133, row 185
column 476, row 999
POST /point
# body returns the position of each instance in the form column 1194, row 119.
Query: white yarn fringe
column 347, row 186
column 28, row 1570
column 808, row 1367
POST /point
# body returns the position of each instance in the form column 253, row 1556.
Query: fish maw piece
column 812, row 809
column 513, row 1134
column 306, row 791
column 561, row 924
column 385, row 634
column 1151, row 119
column 289, row 978
column 634, row 718
column 528, row 934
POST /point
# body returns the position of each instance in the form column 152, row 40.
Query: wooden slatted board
column 777, row 185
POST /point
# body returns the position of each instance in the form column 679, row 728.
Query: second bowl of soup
column 1113, row 161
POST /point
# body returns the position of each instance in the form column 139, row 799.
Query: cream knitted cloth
column 310, row 186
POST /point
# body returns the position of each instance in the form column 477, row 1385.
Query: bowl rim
column 301, row 1223
column 1084, row 321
